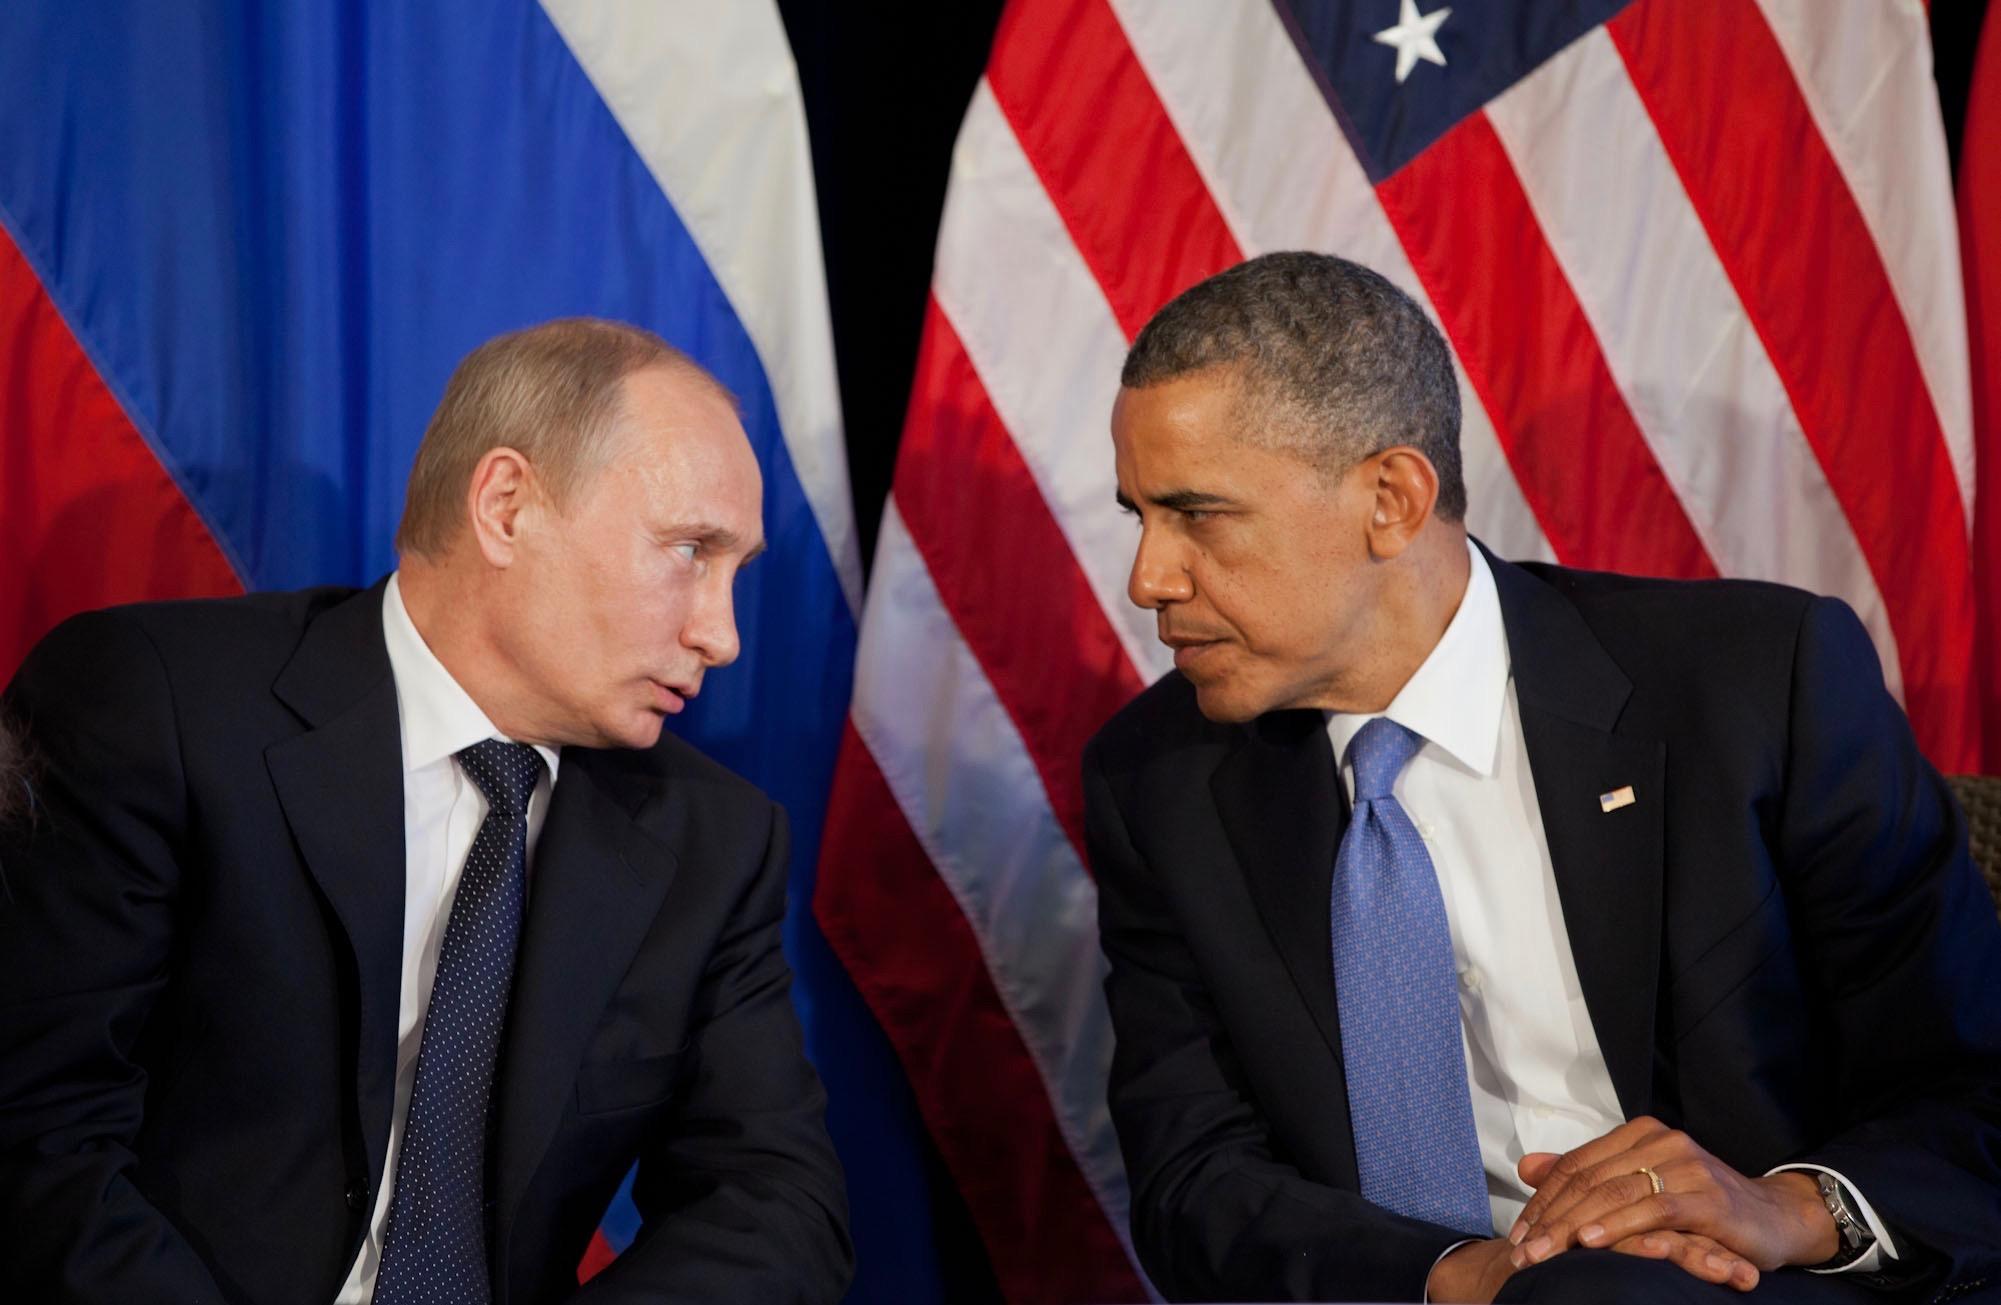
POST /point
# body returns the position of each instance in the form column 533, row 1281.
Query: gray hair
column 1334, row 363
column 550, row 392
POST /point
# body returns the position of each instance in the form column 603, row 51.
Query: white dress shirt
column 1538, row 1078
column 442, row 811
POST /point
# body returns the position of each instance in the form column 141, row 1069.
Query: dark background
column 885, row 87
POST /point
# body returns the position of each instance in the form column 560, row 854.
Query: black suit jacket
column 1782, row 944
column 200, row 963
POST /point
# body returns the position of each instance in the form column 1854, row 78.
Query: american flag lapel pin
column 1618, row 797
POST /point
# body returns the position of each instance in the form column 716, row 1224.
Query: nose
column 711, row 629
column 1158, row 576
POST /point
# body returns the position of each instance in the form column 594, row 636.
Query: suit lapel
column 340, row 785
column 1283, row 808
column 597, row 884
column 1608, row 864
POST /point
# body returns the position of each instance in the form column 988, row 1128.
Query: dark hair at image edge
column 1335, row 363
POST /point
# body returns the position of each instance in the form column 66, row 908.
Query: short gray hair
column 552, row 393
column 1335, row 363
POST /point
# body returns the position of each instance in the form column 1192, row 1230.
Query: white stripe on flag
column 1864, row 68
column 1042, row 337
column 959, row 770
column 709, row 97
column 1674, row 334
column 1284, row 177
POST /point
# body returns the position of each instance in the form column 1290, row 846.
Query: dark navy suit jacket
column 1783, row 945
column 200, row 958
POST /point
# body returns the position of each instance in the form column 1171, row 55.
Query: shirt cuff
column 1884, row 1248
column 1467, row 1241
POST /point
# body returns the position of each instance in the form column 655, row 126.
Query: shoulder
column 1161, row 724
column 678, row 765
column 1691, row 633
column 141, row 647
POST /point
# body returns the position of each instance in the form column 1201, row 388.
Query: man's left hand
column 1597, row 1195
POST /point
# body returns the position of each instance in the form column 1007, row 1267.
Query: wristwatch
column 1856, row 1239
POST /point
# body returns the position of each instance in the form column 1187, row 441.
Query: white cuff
column 1441, row 1257
column 1870, row 1260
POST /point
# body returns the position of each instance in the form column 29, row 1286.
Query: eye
column 688, row 551
column 1196, row 516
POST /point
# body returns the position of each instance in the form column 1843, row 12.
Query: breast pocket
column 606, row 1087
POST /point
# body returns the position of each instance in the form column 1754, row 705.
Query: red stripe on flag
column 1094, row 130
column 1980, row 253
column 1795, row 245
column 1531, row 355
column 1005, row 572
column 88, row 517
column 982, row 1100
column 597, row 1257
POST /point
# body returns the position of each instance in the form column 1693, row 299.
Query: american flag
column 1699, row 266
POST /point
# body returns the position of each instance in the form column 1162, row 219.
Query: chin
column 640, row 732
column 1221, row 703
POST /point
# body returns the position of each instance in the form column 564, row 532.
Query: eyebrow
column 1178, row 500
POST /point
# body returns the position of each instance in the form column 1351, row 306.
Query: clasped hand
column 1707, row 1219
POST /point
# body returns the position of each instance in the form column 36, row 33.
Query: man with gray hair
column 1484, row 931
column 365, row 940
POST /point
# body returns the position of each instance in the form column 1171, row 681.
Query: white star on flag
column 1415, row 37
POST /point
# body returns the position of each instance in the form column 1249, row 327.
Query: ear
column 503, row 494
column 1406, row 491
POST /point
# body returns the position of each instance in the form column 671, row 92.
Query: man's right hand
column 1478, row 1270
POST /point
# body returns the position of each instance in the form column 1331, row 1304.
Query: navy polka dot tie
column 434, row 1250
column 1397, row 988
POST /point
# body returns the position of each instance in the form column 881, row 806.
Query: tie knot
column 1379, row 752
column 505, row 772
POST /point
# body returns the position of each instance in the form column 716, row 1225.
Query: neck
column 447, row 602
column 1406, row 622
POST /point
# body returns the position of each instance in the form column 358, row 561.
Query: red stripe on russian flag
column 1584, row 467
column 1093, row 128
column 975, row 1083
column 1005, row 572
column 88, row 516
column 1799, row 253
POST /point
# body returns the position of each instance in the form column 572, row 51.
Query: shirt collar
column 1456, row 696
column 439, row 718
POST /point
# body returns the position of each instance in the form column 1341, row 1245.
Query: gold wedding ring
column 1653, row 1178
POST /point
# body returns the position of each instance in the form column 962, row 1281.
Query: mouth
column 1188, row 650
column 672, row 699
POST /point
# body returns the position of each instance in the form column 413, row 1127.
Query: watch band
column 1856, row 1239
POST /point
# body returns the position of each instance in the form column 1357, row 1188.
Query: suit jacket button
column 357, row 1196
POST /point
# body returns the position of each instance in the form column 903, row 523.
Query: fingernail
column 1538, row 1248
column 1516, row 1258
column 1656, row 1242
column 1591, row 1232
column 1516, row 1233
column 1719, row 1263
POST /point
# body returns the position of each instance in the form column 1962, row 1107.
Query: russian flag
column 243, row 245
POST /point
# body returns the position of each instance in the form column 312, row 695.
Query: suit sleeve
column 89, row 887
column 1215, row 1215
column 1900, row 939
column 741, row 1195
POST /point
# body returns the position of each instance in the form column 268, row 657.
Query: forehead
column 1191, row 418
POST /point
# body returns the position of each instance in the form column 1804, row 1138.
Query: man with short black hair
column 1506, row 932
column 366, row 939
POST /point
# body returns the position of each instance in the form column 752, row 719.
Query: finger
column 1570, row 1164
column 1697, row 1255
column 1658, row 1151
column 1619, row 1207
column 1535, row 1166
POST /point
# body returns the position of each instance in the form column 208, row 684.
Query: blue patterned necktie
column 1397, row 988
column 434, row 1250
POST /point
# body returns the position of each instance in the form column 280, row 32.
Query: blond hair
column 551, row 393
